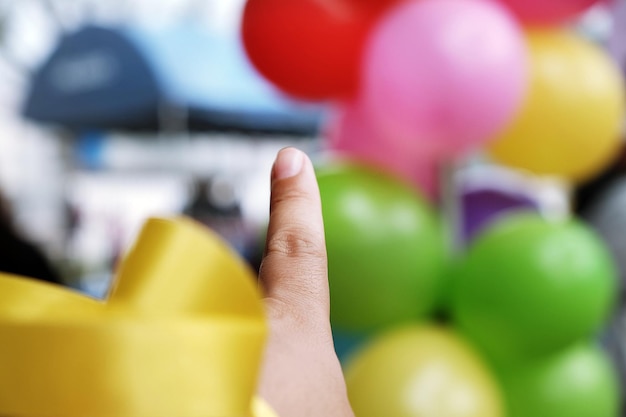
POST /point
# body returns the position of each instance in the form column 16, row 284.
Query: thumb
column 294, row 270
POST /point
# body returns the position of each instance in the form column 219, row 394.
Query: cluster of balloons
column 532, row 295
column 416, row 83
column 524, row 303
column 427, row 80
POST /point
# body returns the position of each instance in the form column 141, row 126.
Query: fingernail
column 288, row 163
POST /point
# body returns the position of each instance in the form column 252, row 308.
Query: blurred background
column 114, row 111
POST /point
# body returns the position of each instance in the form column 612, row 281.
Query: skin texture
column 302, row 376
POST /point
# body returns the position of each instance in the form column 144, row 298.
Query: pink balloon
column 547, row 12
column 444, row 76
column 350, row 135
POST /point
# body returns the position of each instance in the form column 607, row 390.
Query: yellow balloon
column 421, row 371
column 570, row 123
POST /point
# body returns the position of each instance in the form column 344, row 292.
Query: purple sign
column 481, row 206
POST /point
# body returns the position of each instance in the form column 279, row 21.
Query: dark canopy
column 117, row 79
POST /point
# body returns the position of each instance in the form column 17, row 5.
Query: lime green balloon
column 421, row 371
column 385, row 248
column 578, row 382
column 529, row 287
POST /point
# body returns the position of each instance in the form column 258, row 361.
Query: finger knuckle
column 297, row 242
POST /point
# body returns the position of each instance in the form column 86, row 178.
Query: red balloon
column 547, row 12
column 309, row 48
column 382, row 4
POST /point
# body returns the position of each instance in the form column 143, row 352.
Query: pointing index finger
column 294, row 269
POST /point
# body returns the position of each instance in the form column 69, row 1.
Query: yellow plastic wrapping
column 181, row 335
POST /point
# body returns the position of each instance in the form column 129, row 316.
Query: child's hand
column 301, row 376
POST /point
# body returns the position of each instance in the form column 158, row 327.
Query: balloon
column 550, row 12
column 350, row 134
column 309, row 48
column 443, row 76
column 572, row 119
column 421, row 371
column 528, row 287
column 381, row 4
column 578, row 382
column 385, row 249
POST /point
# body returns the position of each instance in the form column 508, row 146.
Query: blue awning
column 116, row 79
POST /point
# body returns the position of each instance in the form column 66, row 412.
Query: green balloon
column 385, row 248
column 528, row 287
column 578, row 382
